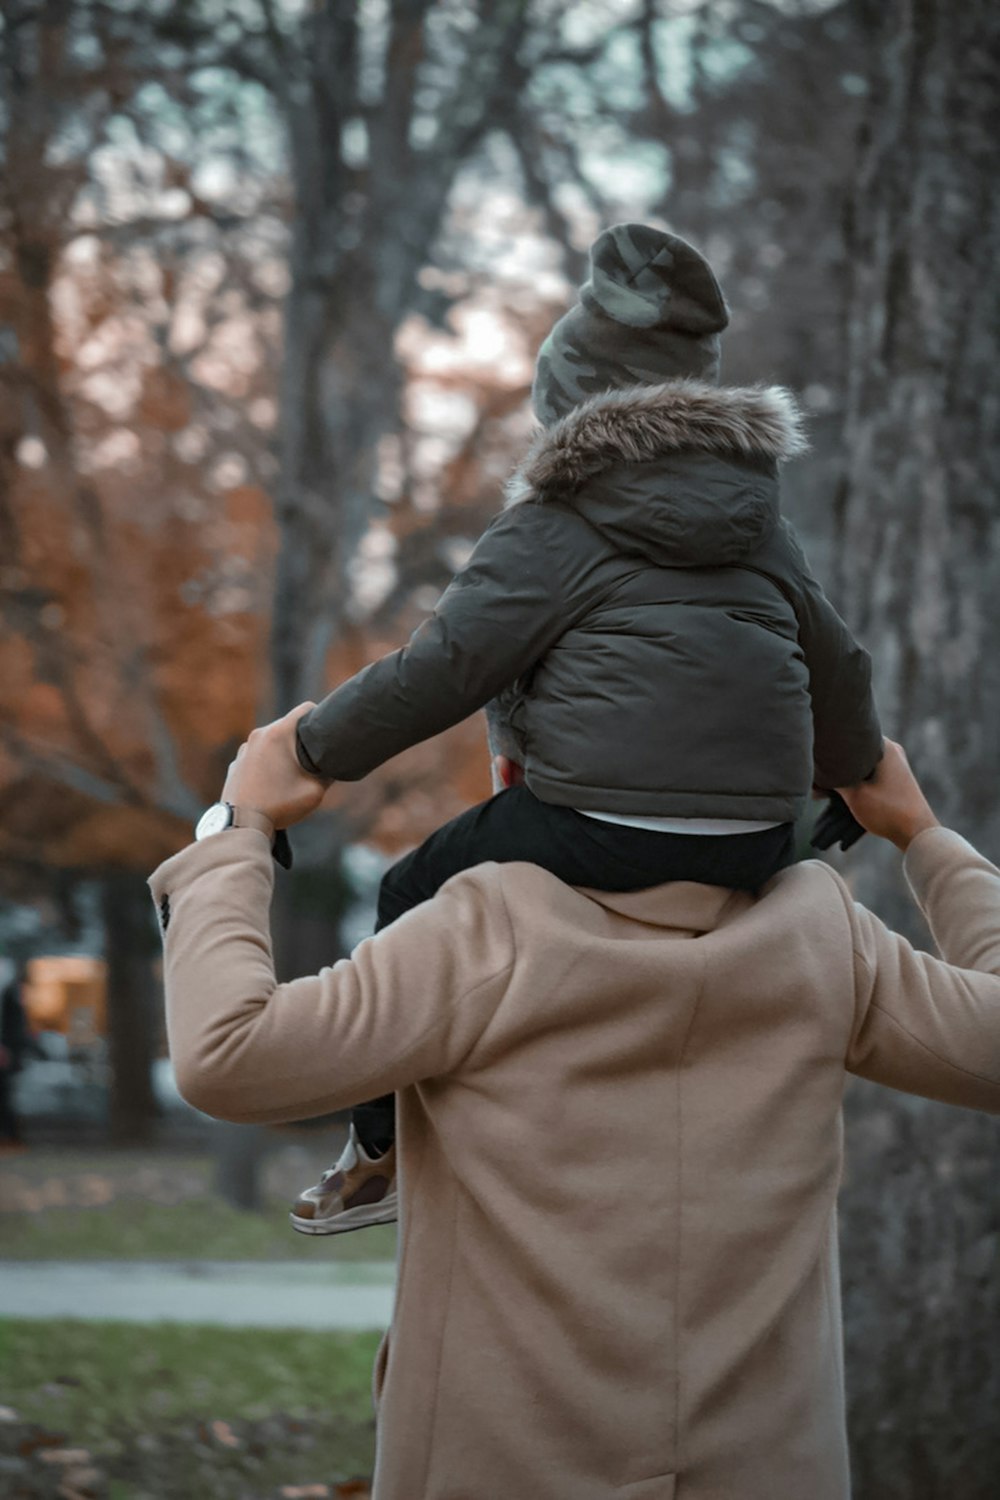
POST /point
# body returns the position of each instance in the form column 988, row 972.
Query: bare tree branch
column 64, row 770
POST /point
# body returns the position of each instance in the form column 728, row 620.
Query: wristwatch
column 223, row 815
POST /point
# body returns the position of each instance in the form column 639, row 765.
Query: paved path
column 235, row 1294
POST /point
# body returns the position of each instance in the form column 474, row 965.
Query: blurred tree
column 401, row 118
column 112, row 439
column 131, row 942
column 108, row 591
column 920, row 577
column 919, row 525
column 406, row 128
column 382, row 106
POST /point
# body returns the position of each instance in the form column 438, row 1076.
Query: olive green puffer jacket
column 646, row 618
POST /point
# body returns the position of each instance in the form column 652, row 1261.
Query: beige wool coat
column 620, row 1147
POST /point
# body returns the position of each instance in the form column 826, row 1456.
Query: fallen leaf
column 37, row 1440
column 353, row 1489
column 80, row 1484
column 64, row 1456
column 224, row 1434
column 94, row 1191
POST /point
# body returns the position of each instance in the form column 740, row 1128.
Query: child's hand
column 836, row 825
column 266, row 775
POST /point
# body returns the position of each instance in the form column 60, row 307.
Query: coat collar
column 683, row 906
column 644, row 423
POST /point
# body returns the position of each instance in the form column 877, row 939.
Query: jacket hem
column 752, row 806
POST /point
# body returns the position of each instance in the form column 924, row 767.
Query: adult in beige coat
column 625, row 1286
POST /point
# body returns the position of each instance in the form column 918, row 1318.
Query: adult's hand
column 266, row 778
column 891, row 805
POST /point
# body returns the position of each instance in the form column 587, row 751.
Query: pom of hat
column 646, row 278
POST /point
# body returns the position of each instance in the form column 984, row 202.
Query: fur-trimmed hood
column 683, row 473
column 644, row 423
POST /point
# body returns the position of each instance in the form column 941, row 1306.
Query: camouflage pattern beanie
column 651, row 311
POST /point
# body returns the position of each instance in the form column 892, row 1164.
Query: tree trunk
column 308, row 908
column 919, row 560
column 362, row 232
column 130, row 943
column 237, row 1152
column 340, row 394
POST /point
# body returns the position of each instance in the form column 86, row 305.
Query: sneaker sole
column 351, row 1218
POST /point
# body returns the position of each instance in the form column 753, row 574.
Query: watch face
column 214, row 820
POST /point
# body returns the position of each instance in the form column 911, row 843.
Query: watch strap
column 281, row 849
column 249, row 817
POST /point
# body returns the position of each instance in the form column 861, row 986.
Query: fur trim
column 645, row 422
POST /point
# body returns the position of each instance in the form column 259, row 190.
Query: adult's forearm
column 214, row 900
column 958, row 890
column 405, row 1006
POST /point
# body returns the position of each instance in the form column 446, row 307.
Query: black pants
column 515, row 825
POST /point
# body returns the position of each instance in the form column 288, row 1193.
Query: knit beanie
column 651, row 311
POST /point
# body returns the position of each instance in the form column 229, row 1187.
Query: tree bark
column 919, row 579
column 130, row 944
column 919, row 554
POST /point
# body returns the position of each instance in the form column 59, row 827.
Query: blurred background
column 272, row 276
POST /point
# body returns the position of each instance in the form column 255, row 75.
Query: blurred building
column 67, row 995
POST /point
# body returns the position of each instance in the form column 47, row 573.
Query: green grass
column 197, row 1229
column 157, row 1205
column 139, row 1375
column 288, row 1407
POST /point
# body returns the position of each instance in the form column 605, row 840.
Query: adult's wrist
column 913, row 828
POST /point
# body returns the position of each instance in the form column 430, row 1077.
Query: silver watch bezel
column 215, row 819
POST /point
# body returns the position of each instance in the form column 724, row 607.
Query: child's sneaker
column 358, row 1190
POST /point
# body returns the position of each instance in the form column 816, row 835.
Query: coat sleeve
column 520, row 591
column 409, row 1003
column 847, row 736
column 926, row 1025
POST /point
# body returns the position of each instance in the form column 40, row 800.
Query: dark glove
column 836, row 825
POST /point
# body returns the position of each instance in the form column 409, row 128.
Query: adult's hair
column 499, row 734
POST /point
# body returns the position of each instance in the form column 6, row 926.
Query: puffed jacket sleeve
column 847, row 735
column 522, row 588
